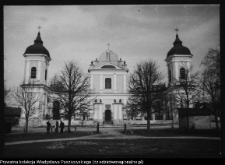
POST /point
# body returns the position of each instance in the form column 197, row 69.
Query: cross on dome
column 39, row 27
column 108, row 46
column 176, row 30
column 108, row 53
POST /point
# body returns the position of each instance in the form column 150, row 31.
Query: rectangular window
column 108, row 83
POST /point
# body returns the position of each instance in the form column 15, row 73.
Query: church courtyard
column 113, row 142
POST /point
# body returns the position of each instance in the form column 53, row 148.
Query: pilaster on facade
column 39, row 71
column 101, row 83
column 125, row 83
column 95, row 112
column 27, row 72
column 176, row 70
column 101, row 112
column 91, row 83
column 114, row 77
column 98, row 110
column 118, row 111
column 24, row 75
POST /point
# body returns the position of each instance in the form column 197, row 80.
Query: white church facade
column 108, row 82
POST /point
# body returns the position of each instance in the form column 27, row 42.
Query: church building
column 108, row 82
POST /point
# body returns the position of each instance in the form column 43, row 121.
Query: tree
column 211, row 80
column 133, row 107
column 141, row 88
column 27, row 99
column 6, row 93
column 6, row 90
column 187, row 89
column 171, row 102
column 160, row 104
column 72, row 89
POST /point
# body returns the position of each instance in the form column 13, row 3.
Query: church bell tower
column 178, row 60
column 37, row 60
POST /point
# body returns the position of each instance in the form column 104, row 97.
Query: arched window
column 45, row 74
column 108, row 83
column 108, row 67
column 182, row 73
column 33, row 72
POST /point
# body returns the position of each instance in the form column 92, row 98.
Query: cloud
column 135, row 33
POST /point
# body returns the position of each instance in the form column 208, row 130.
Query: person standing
column 56, row 127
column 61, row 126
column 48, row 126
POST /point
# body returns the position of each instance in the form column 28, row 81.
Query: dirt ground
column 114, row 142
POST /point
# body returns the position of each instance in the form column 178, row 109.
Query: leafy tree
column 211, row 80
column 72, row 89
column 187, row 88
column 27, row 99
column 141, row 88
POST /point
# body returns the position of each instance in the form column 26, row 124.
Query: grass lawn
column 175, row 132
column 39, row 136
column 140, row 132
column 117, row 148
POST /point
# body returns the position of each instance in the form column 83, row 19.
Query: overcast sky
column 81, row 33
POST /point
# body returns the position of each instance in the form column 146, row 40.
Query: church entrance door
column 108, row 115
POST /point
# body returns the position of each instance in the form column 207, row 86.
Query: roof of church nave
column 178, row 48
column 107, row 58
column 37, row 47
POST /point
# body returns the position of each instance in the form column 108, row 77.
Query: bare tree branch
column 72, row 88
column 27, row 99
column 142, row 98
column 210, row 81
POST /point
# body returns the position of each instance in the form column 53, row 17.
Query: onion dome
column 178, row 48
column 37, row 47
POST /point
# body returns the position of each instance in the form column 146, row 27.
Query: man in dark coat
column 61, row 126
column 56, row 127
column 48, row 126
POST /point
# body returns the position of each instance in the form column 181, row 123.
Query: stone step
column 107, row 123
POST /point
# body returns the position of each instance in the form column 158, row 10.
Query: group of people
column 62, row 125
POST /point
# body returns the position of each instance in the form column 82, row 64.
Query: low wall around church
column 195, row 122
column 118, row 122
column 145, row 122
column 35, row 122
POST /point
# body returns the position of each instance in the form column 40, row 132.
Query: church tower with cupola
column 36, row 63
column 37, row 60
column 178, row 60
